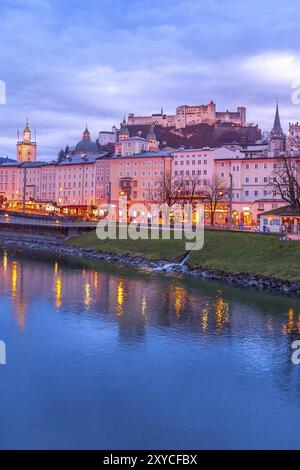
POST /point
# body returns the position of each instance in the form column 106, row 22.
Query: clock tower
column 26, row 149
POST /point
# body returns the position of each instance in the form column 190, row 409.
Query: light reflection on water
column 116, row 359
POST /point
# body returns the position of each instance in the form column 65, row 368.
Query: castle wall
column 191, row 115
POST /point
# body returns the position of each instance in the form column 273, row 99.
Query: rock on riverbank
column 247, row 280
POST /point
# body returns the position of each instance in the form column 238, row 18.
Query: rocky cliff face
column 200, row 135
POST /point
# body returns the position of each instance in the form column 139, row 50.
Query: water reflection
column 292, row 323
column 225, row 352
column 163, row 303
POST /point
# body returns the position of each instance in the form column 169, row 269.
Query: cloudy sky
column 70, row 62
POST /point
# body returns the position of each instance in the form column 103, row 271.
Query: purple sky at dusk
column 67, row 63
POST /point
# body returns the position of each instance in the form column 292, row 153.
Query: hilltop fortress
column 191, row 115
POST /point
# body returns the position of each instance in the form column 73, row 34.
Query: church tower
column 26, row 149
column 277, row 137
column 152, row 141
column 124, row 132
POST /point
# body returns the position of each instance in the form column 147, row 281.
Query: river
column 110, row 358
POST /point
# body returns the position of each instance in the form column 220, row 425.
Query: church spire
column 277, row 137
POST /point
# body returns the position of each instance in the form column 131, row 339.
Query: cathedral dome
column 86, row 145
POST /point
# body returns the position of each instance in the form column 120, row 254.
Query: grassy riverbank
column 225, row 251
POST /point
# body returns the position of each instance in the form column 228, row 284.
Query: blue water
column 112, row 359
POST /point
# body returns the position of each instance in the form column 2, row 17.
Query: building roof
column 252, row 159
column 254, row 148
column 82, row 159
column 191, row 149
column 137, row 137
column 10, row 164
column 286, row 211
column 33, row 164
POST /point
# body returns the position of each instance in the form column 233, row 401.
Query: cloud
column 280, row 68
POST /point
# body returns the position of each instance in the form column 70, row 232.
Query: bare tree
column 168, row 191
column 213, row 193
column 189, row 189
column 284, row 180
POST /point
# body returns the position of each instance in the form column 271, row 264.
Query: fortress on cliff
column 192, row 115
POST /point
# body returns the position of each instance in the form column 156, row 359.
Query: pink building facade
column 87, row 182
column 251, row 191
column 136, row 179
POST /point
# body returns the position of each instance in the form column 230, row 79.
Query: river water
column 109, row 358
